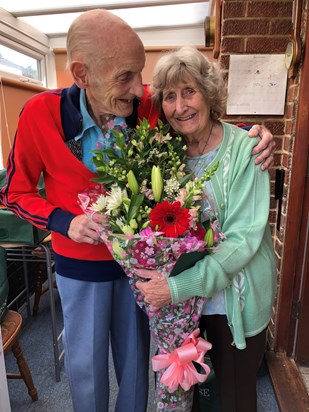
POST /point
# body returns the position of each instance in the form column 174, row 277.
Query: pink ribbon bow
column 180, row 369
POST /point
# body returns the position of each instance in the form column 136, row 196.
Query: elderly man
column 56, row 132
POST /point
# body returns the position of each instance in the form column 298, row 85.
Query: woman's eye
column 169, row 97
column 188, row 92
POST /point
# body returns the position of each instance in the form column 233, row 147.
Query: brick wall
column 252, row 27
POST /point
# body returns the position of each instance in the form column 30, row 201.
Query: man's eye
column 125, row 77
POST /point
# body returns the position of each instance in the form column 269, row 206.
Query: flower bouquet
column 152, row 206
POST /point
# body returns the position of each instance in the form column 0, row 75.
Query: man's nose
column 137, row 87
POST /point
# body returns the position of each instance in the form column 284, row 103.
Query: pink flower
column 149, row 251
column 146, row 232
column 110, row 124
column 195, row 317
column 187, row 309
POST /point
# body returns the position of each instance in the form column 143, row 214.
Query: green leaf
column 120, row 141
column 185, row 179
column 107, row 180
column 110, row 153
column 165, row 129
column 135, row 204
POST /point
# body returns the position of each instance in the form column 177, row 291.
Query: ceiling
column 54, row 20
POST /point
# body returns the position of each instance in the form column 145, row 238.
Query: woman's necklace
column 198, row 160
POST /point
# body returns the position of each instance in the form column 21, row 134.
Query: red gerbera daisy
column 170, row 219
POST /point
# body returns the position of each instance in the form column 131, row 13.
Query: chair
column 10, row 327
column 41, row 253
column 10, row 323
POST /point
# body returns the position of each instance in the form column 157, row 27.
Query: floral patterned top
column 214, row 305
column 95, row 138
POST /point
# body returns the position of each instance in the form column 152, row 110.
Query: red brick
column 286, row 161
column 288, row 144
column 270, row 8
column 278, row 245
column 292, row 93
column 280, row 234
column 266, row 44
column 272, row 216
column 273, row 204
column 282, row 27
column 235, row 9
column 277, row 159
column 279, row 143
column 277, row 128
column 272, row 174
column 288, row 126
column 245, row 27
column 283, row 221
column 289, row 110
column 232, row 45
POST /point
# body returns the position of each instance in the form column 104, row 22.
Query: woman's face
column 186, row 109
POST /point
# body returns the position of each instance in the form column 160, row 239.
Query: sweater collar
column 71, row 116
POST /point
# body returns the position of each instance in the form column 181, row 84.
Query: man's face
column 115, row 82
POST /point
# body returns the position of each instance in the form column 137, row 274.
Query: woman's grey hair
column 175, row 66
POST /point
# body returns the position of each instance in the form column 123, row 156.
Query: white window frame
column 13, row 45
column 23, row 38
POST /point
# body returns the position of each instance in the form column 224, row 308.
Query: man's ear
column 79, row 72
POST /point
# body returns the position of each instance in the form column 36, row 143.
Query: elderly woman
column 239, row 278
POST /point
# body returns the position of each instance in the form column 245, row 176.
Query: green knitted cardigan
column 244, row 264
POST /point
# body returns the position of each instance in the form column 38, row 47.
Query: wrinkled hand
column 266, row 147
column 85, row 230
column 156, row 291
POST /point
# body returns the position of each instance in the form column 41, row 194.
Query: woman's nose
column 179, row 104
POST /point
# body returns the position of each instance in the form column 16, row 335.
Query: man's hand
column 266, row 147
column 84, row 229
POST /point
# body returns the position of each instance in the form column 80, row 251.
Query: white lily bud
column 132, row 182
column 156, row 183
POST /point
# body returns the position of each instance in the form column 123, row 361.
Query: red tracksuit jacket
column 47, row 125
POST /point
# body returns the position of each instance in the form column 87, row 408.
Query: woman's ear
column 79, row 72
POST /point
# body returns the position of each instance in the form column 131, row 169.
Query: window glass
column 19, row 64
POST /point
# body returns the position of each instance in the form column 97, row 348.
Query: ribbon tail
column 172, row 377
column 161, row 362
column 192, row 376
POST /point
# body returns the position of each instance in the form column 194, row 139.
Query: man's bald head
column 106, row 58
column 99, row 34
